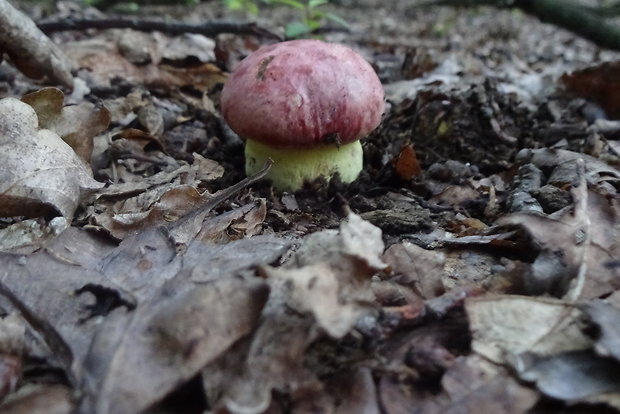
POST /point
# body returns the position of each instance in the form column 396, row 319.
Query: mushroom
column 304, row 104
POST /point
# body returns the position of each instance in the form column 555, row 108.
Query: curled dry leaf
column 39, row 172
column 329, row 275
column 161, row 198
column 324, row 288
column 77, row 125
column 503, row 326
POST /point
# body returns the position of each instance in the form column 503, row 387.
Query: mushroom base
column 291, row 167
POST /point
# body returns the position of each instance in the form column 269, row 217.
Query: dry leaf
column 605, row 317
column 406, row 163
column 39, row 172
column 574, row 377
column 168, row 340
column 324, row 287
column 77, row 125
column 575, row 248
column 42, row 399
column 422, row 270
column 508, row 325
column 599, row 83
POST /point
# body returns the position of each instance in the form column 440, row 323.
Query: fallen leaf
column 406, row 163
column 42, row 399
column 574, row 377
column 507, row 325
column 605, row 317
column 599, row 83
column 169, row 339
column 27, row 236
column 77, row 125
column 476, row 385
column 574, row 247
column 323, row 288
column 421, row 270
column 46, row 176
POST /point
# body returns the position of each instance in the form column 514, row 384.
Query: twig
column 207, row 29
column 184, row 230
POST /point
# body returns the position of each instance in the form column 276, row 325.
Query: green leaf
column 337, row 19
column 291, row 3
column 316, row 3
column 296, row 29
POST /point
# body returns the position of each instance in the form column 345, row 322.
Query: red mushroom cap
column 302, row 93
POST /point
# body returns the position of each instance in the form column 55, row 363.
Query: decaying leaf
column 47, row 176
column 167, row 340
column 600, row 83
column 76, row 125
column 575, row 247
column 508, row 325
column 476, row 385
column 606, row 317
column 26, row 236
column 323, row 288
column 160, row 199
column 104, row 60
column 471, row 384
column 578, row 376
column 420, row 269
column 41, row 399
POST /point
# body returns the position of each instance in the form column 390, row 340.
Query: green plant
column 311, row 14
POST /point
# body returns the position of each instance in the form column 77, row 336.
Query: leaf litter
column 473, row 266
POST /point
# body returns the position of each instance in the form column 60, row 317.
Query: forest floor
column 474, row 266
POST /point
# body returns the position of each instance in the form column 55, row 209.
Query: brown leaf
column 420, row 269
column 77, row 125
column 324, row 287
column 606, row 317
column 47, row 399
column 406, row 163
column 574, row 377
column 353, row 392
column 476, row 385
column 510, row 325
column 104, row 62
column 169, row 339
column 39, row 172
column 576, row 247
column 599, row 83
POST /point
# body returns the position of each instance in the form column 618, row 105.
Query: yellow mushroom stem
column 291, row 167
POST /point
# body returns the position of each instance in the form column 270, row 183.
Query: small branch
column 207, row 29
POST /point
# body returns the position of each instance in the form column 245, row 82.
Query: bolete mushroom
column 304, row 104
